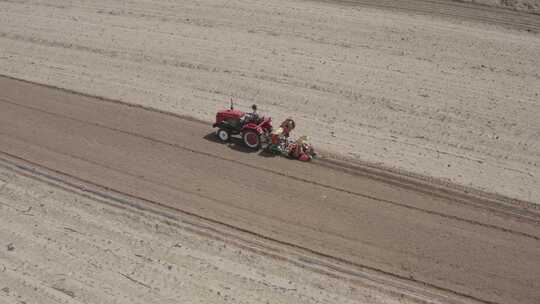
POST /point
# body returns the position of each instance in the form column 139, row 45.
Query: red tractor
column 254, row 130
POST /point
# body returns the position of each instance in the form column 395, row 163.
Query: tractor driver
column 253, row 116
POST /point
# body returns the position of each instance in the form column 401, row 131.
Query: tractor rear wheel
column 252, row 140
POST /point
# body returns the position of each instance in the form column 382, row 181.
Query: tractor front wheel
column 252, row 140
column 223, row 135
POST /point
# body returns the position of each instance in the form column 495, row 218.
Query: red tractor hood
column 229, row 115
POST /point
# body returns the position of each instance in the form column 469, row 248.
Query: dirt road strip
column 452, row 9
column 484, row 254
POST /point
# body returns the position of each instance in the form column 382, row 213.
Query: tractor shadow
column 236, row 144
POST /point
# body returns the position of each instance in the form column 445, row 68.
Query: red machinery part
column 228, row 115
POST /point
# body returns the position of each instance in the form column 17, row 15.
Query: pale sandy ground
column 60, row 247
column 436, row 96
column 532, row 6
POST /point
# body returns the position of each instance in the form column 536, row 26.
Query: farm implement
column 257, row 132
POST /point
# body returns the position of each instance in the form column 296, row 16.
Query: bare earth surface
column 66, row 248
column 432, row 93
column 532, row 6
column 454, row 247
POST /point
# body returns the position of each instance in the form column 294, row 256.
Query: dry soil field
column 104, row 202
column 532, row 6
column 437, row 95
column 363, row 226
column 62, row 247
